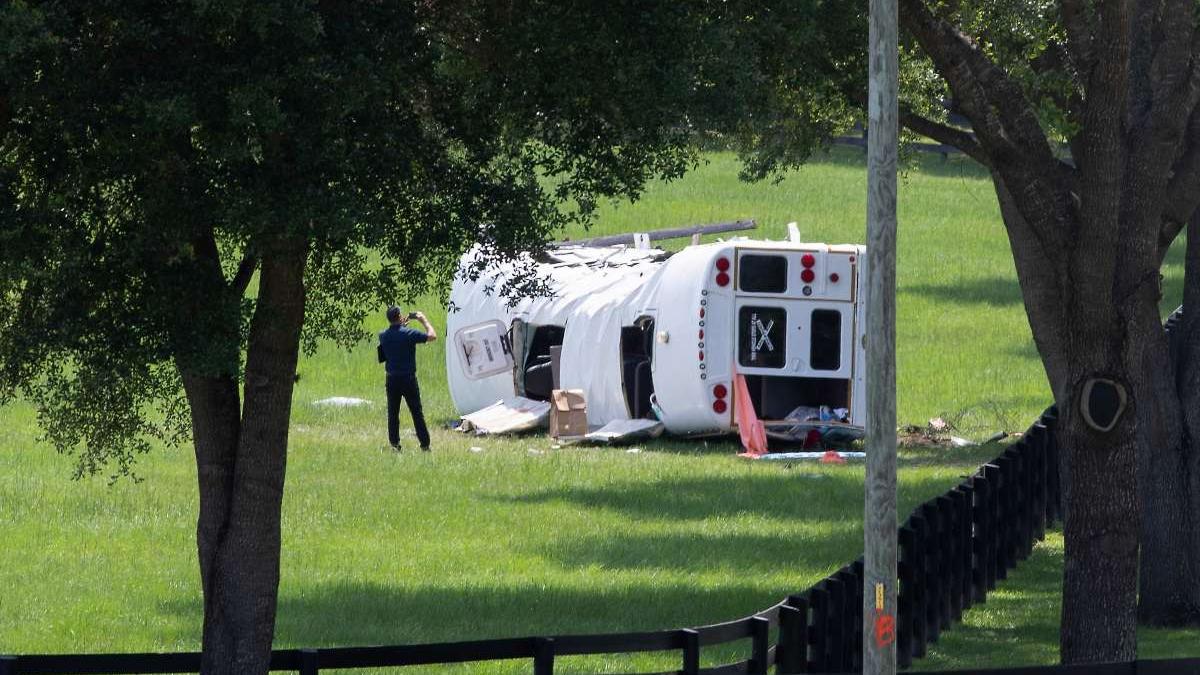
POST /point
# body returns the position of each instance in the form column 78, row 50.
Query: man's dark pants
column 405, row 386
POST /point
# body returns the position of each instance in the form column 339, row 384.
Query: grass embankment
column 521, row 538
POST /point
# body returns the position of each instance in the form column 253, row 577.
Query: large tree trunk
column 241, row 474
column 1099, row 622
column 1169, row 588
column 1079, row 340
column 1186, row 341
column 216, row 421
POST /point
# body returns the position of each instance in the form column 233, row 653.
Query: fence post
column 691, row 648
column 792, row 653
column 1037, row 444
column 818, row 598
column 951, row 567
column 309, row 662
column 8, row 665
column 965, row 501
column 835, row 625
column 920, row 585
column 855, row 649
column 931, row 552
column 1054, row 511
column 543, row 656
column 760, row 644
column 1004, row 517
column 905, row 542
column 979, row 519
column 992, row 556
column 1023, row 465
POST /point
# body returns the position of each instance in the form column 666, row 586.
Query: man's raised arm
column 430, row 333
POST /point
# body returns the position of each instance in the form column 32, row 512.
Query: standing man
column 398, row 349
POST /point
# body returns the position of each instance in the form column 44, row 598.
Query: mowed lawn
column 505, row 537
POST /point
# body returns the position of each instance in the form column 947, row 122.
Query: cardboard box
column 568, row 413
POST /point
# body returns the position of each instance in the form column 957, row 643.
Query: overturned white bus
column 650, row 334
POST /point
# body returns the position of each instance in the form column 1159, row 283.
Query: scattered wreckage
column 648, row 337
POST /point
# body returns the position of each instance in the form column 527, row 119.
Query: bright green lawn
column 522, row 538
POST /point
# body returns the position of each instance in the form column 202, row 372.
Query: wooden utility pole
column 879, row 517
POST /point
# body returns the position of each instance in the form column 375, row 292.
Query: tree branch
column 1182, row 196
column 245, row 271
column 944, row 133
column 1006, row 126
column 997, row 107
column 1079, row 36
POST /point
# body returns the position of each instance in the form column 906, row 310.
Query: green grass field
column 504, row 537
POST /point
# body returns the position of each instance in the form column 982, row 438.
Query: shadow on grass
column 802, row 493
column 782, row 494
column 998, row 291
column 820, row 554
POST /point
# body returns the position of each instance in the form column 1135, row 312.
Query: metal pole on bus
column 879, row 517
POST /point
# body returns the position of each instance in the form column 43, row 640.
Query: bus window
column 762, row 337
column 826, row 347
column 762, row 273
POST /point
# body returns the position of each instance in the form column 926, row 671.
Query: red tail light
column 722, row 279
column 720, row 407
column 834, row 277
column 722, row 264
column 720, row 391
column 807, row 276
column 808, row 260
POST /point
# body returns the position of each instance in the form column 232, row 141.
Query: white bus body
column 648, row 334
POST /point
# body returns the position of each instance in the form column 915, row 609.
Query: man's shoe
column 396, row 447
column 425, row 448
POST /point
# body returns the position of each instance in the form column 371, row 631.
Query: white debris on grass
column 476, row 448
column 961, row 442
column 633, row 451
column 784, row 456
column 507, row 416
column 535, row 451
column 342, row 402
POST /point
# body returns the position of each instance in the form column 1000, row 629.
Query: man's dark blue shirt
column 398, row 348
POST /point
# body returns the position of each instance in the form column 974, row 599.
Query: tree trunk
column 1080, row 336
column 1186, row 341
column 216, row 418
column 242, row 470
column 1169, row 588
column 1099, row 620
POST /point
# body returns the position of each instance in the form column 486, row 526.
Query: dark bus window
column 762, row 273
column 762, row 337
column 826, row 332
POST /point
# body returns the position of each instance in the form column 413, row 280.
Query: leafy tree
column 189, row 193
column 1086, row 115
